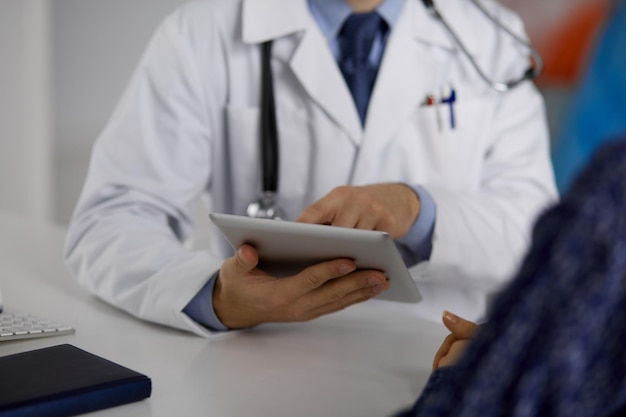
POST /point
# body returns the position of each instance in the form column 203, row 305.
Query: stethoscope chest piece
column 265, row 208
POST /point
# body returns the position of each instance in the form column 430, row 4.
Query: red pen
column 432, row 101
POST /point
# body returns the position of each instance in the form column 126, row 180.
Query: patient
column 555, row 342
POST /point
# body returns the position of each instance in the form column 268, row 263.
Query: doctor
column 421, row 147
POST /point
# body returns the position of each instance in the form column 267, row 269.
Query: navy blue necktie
column 355, row 41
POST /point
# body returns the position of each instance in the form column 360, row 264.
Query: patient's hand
column 455, row 344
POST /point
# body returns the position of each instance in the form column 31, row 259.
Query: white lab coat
column 188, row 125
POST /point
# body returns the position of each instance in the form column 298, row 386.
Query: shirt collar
column 330, row 14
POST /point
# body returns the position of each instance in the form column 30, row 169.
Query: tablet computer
column 286, row 248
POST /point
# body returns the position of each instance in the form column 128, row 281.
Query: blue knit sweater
column 555, row 342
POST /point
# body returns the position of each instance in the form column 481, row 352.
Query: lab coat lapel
column 311, row 62
column 317, row 70
column 264, row 20
column 403, row 78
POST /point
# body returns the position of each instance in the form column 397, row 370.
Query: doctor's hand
column 453, row 346
column 245, row 296
column 390, row 207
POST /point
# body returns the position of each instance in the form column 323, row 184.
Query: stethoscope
column 533, row 70
column 266, row 206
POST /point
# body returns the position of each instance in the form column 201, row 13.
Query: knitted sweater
column 555, row 341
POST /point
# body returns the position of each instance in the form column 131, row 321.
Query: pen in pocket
column 448, row 96
column 431, row 100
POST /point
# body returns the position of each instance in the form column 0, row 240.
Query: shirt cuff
column 200, row 308
column 416, row 246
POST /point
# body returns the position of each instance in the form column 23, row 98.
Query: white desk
column 364, row 361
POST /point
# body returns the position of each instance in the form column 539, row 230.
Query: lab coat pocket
column 455, row 135
column 455, row 109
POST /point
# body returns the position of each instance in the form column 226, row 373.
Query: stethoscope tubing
column 531, row 72
column 269, row 126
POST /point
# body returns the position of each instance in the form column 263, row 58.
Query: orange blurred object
column 566, row 48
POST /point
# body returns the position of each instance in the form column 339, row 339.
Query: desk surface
column 367, row 360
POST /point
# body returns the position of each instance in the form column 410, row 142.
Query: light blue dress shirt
column 417, row 244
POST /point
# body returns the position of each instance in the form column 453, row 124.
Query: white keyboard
column 15, row 326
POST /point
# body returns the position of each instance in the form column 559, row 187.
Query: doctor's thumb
column 459, row 327
column 245, row 259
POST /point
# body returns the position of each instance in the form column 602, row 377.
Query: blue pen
column 450, row 100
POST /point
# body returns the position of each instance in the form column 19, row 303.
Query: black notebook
column 64, row 380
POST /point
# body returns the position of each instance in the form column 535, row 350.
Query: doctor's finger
column 357, row 216
column 351, row 298
column 324, row 210
column 368, row 282
column 364, row 210
column 346, row 217
column 316, row 213
column 317, row 275
column 367, row 222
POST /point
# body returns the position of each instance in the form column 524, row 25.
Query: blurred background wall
column 564, row 32
column 96, row 45
column 65, row 63
column 25, row 112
